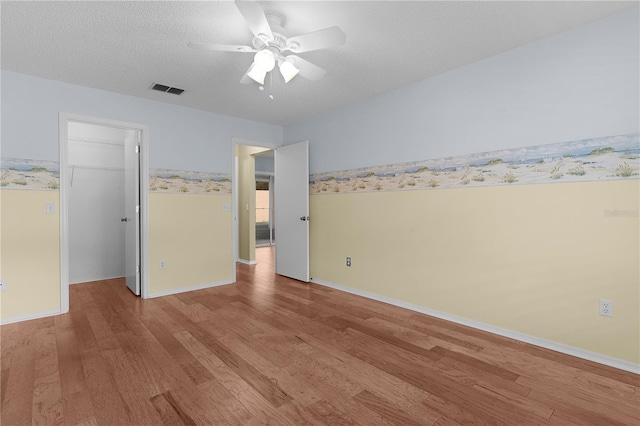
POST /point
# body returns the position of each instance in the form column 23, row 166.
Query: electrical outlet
column 606, row 308
column 163, row 264
column 348, row 261
column 3, row 285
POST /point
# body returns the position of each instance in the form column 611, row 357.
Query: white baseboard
column 543, row 343
column 247, row 262
column 28, row 317
column 97, row 279
column 186, row 289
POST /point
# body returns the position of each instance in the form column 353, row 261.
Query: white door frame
column 63, row 129
column 234, row 195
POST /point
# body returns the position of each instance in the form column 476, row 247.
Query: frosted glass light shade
column 265, row 60
column 256, row 73
column 288, row 71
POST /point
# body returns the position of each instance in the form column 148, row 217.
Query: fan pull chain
column 261, row 88
column 270, row 85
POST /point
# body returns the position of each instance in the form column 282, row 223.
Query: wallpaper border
column 28, row 174
column 183, row 182
column 606, row 158
column 22, row 173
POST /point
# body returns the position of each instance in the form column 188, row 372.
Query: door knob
column 123, row 219
column 304, row 218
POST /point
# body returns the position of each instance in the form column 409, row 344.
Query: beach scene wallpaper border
column 183, row 182
column 607, row 158
column 43, row 175
column 21, row 173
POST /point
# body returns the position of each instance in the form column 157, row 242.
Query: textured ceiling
column 124, row 47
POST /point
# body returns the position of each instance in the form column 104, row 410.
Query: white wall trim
column 144, row 210
column 28, row 317
column 63, row 145
column 543, row 343
column 247, row 262
column 63, row 136
column 186, row 289
column 97, row 279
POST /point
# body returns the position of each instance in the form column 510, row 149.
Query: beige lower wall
column 30, row 262
column 534, row 259
column 189, row 231
column 192, row 234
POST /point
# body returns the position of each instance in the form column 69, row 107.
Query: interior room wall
column 202, row 139
column 531, row 260
column 96, row 202
column 576, row 85
column 181, row 141
column 30, row 263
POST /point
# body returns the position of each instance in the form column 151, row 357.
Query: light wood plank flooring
column 269, row 350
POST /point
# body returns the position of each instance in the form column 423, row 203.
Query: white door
column 292, row 210
column 131, row 220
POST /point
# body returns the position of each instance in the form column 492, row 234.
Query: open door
column 292, row 210
column 131, row 220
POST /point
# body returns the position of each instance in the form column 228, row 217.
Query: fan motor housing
column 279, row 42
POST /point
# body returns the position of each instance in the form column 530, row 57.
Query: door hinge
column 137, row 269
column 137, row 149
column 137, row 209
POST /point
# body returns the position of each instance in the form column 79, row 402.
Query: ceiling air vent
column 167, row 89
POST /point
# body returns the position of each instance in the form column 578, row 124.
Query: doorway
column 103, row 215
column 96, row 202
column 291, row 207
column 245, row 200
column 265, row 191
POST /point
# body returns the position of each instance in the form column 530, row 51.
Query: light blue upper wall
column 180, row 138
column 576, row 85
column 580, row 84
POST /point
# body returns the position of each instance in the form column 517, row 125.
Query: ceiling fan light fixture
column 288, row 71
column 265, row 60
column 268, row 45
column 257, row 73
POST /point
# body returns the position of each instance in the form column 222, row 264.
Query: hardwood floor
column 269, row 350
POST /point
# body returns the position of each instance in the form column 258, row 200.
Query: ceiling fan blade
column 307, row 69
column 255, row 17
column 221, row 47
column 321, row 39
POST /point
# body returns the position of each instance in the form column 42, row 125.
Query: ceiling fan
column 269, row 44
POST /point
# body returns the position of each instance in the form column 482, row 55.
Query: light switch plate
column 51, row 208
column 225, row 208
